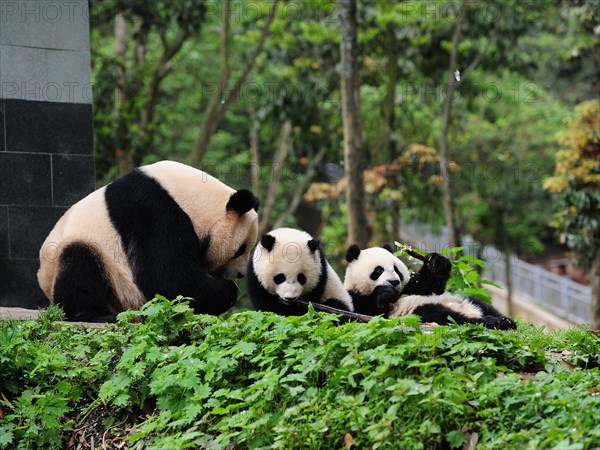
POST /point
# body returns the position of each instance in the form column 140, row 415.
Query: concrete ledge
column 18, row 313
column 33, row 314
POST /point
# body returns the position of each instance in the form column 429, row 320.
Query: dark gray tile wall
column 72, row 175
column 46, row 160
column 48, row 127
column 18, row 283
column 1, row 124
column 25, row 179
column 29, row 226
column 4, row 237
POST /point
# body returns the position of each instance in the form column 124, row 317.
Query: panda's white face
column 287, row 263
column 230, row 255
column 374, row 267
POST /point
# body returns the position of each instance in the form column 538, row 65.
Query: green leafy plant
column 165, row 378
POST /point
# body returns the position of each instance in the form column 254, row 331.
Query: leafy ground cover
column 164, row 378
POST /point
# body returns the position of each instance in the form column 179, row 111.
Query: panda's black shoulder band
column 242, row 201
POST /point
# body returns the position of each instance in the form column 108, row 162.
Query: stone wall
column 46, row 160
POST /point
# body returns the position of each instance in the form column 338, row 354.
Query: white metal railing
column 559, row 295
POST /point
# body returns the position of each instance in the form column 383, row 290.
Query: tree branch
column 478, row 58
column 257, row 51
column 278, row 160
column 300, row 188
column 217, row 106
column 255, row 155
column 161, row 69
column 443, row 154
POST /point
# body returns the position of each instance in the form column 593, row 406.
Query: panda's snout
column 291, row 299
column 394, row 282
column 240, row 275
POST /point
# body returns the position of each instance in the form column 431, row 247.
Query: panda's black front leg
column 377, row 302
column 215, row 295
column 499, row 323
column 432, row 277
column 384, row 297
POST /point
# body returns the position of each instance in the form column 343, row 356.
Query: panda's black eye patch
column 279, row 278
column 376, row 273
column 399, row 274
column 240, row 251
column 301, row 278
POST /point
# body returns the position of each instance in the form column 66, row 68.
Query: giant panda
column 287, row 265
column 380, row 283
column 165, row 228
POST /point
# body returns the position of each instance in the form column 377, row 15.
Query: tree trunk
column 221, row 100
column 278, row 161
column 509, row 284
column 389, row 101
column 446, row 117
column 504, row 243
column 389, row 114
column 122, row 155
column 595, row 285
column 353, row 157
column 159, row 72
column 255, row 157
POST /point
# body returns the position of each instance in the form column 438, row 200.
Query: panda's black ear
column 241, row 202
column 313, row 245
column 267, row 241
column 352, row 253
column 388, row 247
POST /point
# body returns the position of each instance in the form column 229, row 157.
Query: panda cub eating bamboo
column 380, row 283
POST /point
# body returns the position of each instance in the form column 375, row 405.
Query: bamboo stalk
column 330, row 309
column 403, row 247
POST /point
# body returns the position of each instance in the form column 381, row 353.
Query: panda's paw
column 439, row 265
column 229, row 290
column 499, row 323
column 384, row 297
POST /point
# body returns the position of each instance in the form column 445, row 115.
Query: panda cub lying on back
column 288, row 265
column 380, row 283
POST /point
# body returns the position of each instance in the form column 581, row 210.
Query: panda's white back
column 88, row 221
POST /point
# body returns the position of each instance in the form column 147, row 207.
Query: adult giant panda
column 380, row 283
column 287, row 265
column 165, row 228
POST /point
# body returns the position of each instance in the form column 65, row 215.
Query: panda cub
column 165, row 228
column 289, row 264
column 380, row 283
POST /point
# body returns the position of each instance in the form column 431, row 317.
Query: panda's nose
column 291, row 299
column 394, row 282
column 240, row 275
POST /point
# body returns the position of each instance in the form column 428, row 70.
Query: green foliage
column 257, row 380
column 576, row 180
column 500, row 198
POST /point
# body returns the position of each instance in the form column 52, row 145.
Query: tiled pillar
column 46, row 160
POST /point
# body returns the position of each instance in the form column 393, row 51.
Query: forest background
column 481, row 116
